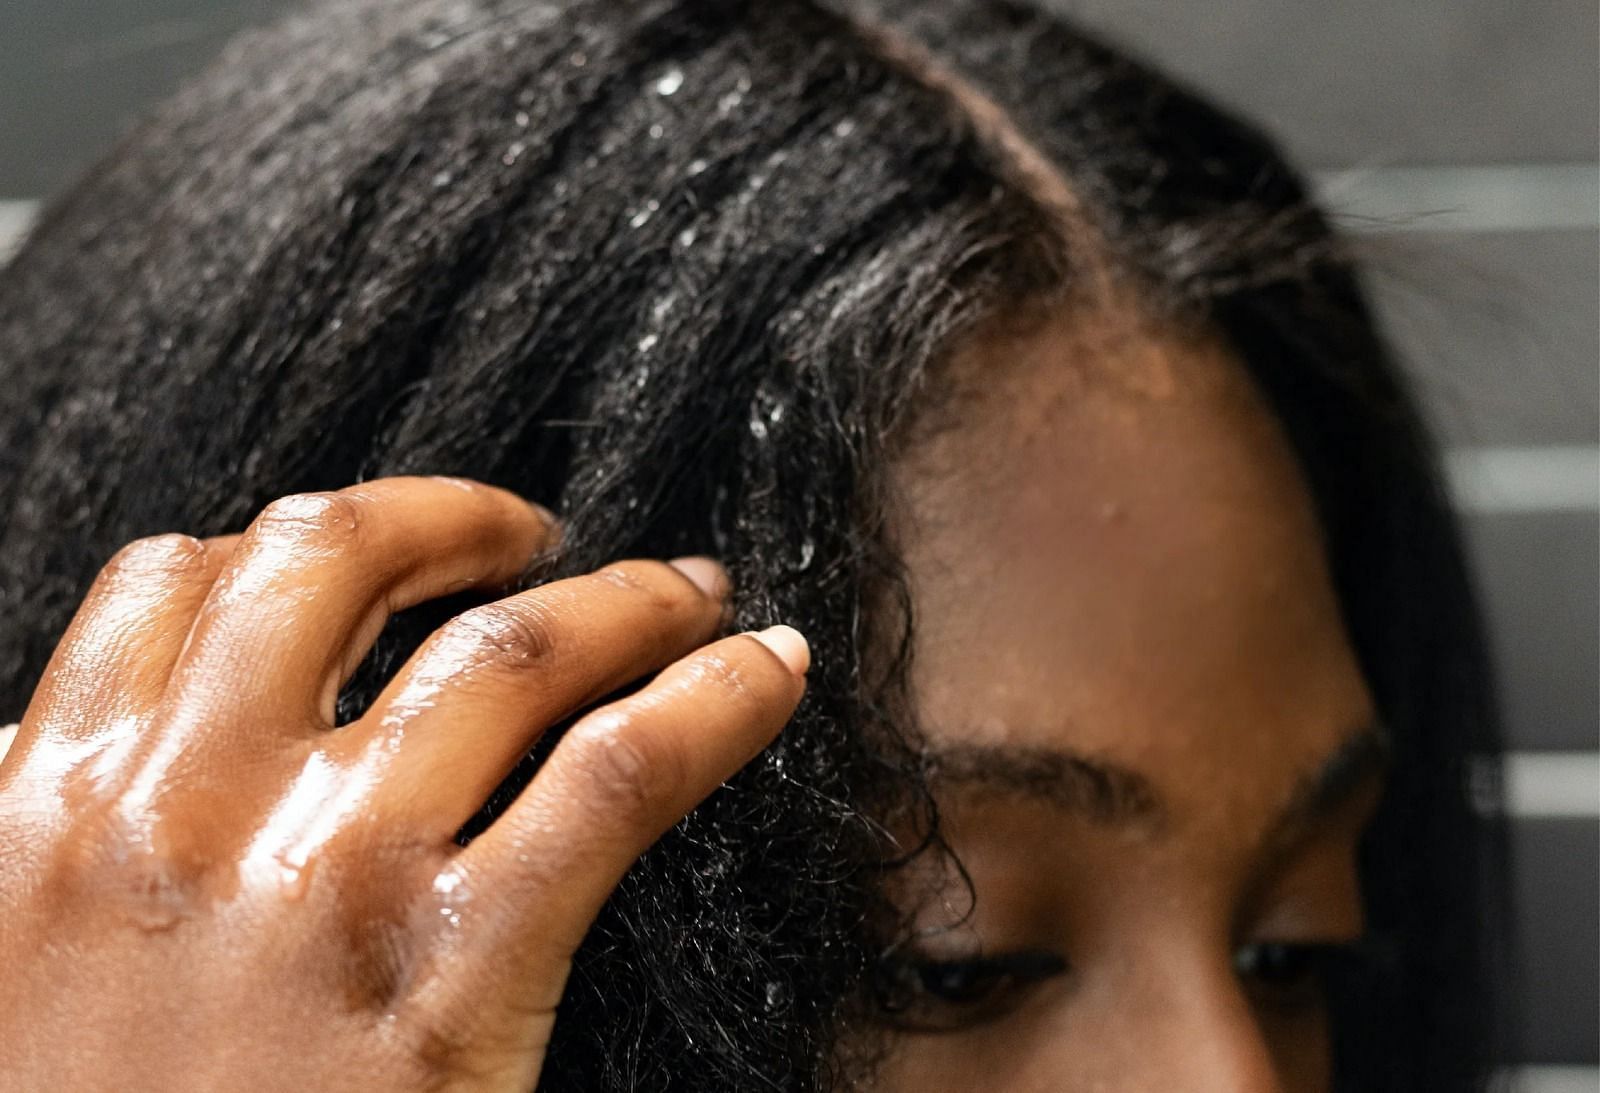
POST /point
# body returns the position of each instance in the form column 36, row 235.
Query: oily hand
column 205, row 885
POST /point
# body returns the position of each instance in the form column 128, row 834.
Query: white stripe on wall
column 1534, row 479
column 15, row 216
column 1549, row 1079
column 1552, row 785
column 1510, row 197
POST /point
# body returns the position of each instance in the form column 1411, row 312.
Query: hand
column 205, row 885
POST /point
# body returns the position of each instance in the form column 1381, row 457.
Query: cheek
column 1300, row 1047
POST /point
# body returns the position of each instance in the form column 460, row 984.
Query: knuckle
column 438, row 1047
column 373, row 959
column 632, row 773
column 114, row 858
column 156, row 889
column 453, row 1047
column 661, row 588
column 730, row 682
column 172, row 553
column 322, row 520
column 501, row 635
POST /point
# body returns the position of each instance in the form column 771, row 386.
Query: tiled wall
column 1459, row 137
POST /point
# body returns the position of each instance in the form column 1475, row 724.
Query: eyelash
column 929, row 995
column 925, row 994
column 1294, row 976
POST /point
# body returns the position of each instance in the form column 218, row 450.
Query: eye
column 1290, row 975
column 930, row 995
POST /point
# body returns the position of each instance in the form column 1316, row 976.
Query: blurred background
column 1458, row 138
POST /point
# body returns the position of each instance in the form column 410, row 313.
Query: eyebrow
column 1363, row 757
column 1111, row 795
column 1084, row 785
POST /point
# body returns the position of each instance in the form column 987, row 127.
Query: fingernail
column 546, row 515
column 790, row 646
column 707, row 574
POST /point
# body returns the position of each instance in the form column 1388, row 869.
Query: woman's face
column 1154, row 750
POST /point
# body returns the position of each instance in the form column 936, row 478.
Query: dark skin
column 198, row 870
column 1153, row 749
column 1151, row 743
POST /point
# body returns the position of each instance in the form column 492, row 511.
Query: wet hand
column 205, row 885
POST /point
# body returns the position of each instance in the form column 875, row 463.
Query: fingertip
column 707, row 574
column 789, row 645
column 472, row 485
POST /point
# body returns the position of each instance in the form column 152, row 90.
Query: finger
column 480, row 691
column 315, row 577
column 118, row 652
column 619, row 778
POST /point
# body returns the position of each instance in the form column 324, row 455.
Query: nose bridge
column 1210, row 1040
column 1187, row 1027
column 1231, row 1054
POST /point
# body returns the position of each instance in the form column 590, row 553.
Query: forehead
column 1111, row 550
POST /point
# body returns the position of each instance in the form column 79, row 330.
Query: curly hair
column 684, row 271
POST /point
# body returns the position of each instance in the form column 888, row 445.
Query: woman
column 1027, row 386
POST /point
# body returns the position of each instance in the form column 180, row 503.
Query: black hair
column 683, row 270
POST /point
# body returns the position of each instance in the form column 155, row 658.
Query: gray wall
column 1457, row 136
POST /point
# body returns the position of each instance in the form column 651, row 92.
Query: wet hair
column 684, row 271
